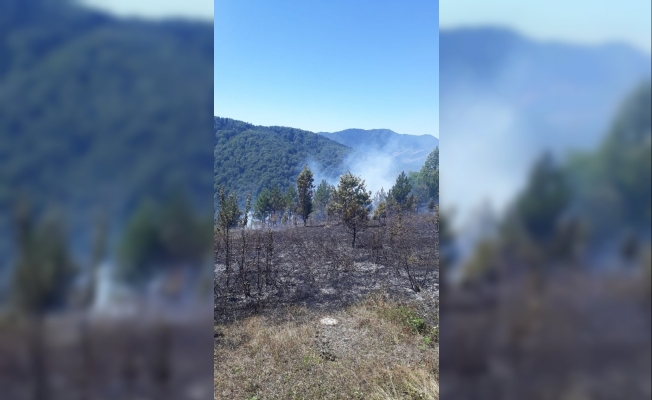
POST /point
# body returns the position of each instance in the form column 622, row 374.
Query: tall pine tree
column 305, row 188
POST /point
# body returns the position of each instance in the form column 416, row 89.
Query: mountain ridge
column 408, row 151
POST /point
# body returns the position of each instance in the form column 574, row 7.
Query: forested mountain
column 97, row 111
column 249, row 158
column 408, row 151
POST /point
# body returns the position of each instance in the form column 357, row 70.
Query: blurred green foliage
column 162, row 236
column 613, row 184
column 543, row 201
column 45, row 269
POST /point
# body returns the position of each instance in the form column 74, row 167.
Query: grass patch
column 380, row 351
column 412, row 321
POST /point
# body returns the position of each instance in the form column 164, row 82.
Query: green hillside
column 97, row 111
column 249, row 158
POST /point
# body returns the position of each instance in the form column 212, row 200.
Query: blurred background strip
column 545, row 199
column 106, row 199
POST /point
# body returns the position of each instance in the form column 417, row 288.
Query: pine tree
column 305, row 188
column 322, row 196
column 227, row 218
column 400, row 192
column 277, row 202
column 351, row 203
column 291, row 199
column 262, row 206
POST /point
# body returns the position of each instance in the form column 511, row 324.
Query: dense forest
column 250, row 158
column 97, row 111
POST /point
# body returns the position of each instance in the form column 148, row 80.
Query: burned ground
column 315, row 266
column 274, row 285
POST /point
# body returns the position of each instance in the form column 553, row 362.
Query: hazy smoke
column 484, row 159
column 378, row 169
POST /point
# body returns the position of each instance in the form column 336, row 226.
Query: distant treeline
column 302, row 199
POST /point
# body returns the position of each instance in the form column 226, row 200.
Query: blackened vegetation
column 262, row 269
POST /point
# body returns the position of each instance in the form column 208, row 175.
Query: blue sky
column 578, row 21
column 328, row 66
column 332, row 65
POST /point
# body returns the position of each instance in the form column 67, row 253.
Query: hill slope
column 249, row 158
column 100, row 111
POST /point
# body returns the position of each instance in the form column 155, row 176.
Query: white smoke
column 378, row 169
column 319, row 174
column 486, row 156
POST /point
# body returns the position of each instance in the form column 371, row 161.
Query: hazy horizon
column 583, row 22
column 544, row 41
column 329, row 132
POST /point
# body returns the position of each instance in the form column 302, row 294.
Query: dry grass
column 378, row 350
